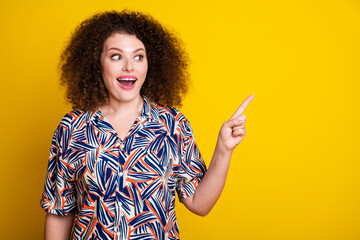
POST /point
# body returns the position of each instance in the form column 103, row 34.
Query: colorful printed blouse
column 122, row 189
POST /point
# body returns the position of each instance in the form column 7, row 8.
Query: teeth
column 127, row 79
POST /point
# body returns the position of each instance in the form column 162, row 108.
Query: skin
column 58, row 227
column 209, row 189
column 121, row 56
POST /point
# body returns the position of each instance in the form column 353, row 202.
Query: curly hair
column 80, row 70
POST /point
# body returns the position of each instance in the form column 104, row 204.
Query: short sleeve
column 59, row 194
column 192, row 167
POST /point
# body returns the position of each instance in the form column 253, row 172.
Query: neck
column 123, row 108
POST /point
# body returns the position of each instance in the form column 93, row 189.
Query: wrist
column 222, row 151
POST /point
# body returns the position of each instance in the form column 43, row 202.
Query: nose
column 128, row 65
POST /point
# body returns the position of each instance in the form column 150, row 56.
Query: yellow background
column 296, row 174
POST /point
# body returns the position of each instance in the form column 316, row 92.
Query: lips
column 127, row 81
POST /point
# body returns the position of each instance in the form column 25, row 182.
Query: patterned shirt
column 122, row 189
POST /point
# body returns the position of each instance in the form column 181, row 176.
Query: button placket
column 119, row 187
column 117, row 219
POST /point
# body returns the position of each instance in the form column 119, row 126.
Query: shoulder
column 174, row 120
column 169, row 113
column 75, row 118
column 70, row 123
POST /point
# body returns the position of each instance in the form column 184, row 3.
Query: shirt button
column 120, row 174
column 118, row 233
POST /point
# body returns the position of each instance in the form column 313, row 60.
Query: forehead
column 123, row 41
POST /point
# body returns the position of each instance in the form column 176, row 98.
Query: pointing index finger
column 242, row 107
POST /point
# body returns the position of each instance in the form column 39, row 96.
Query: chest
column 122, row 124
column 149, row 154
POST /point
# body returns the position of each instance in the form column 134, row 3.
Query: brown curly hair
column 80, row 70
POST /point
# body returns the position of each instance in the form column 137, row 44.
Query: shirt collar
column 148, row 111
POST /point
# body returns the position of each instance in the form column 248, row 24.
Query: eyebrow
column 118, row 49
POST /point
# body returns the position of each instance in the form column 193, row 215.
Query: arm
column 58, row 227
column 209, row 189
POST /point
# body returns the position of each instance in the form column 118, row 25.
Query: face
column 124, row 67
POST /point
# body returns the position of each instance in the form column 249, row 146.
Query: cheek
column 103, row 67
column 107, row 70
column 144, row 70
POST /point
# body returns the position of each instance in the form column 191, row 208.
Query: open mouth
column 126, row 82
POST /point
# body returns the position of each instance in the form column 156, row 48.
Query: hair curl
column 80, row 70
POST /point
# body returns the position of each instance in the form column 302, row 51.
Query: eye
column 115, row 57
column 139, row 57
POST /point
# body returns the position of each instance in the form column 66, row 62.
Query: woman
column 116, row 162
